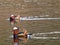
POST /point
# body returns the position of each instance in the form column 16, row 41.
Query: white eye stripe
column 15, row 28
column 12, row 15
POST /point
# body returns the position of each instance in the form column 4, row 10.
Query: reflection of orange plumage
column 16, row 40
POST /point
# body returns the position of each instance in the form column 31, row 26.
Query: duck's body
column 21, row 34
